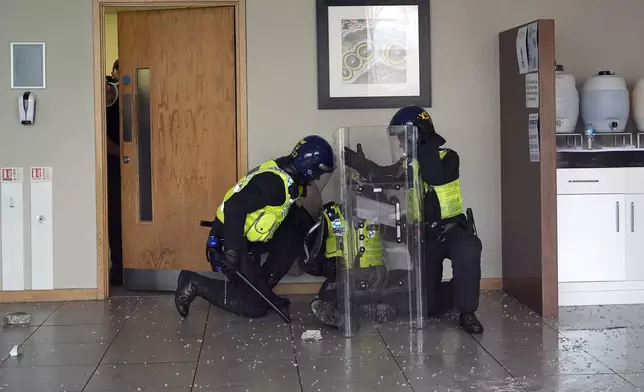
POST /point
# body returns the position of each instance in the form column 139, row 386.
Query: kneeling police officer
column 448, row 233
column 258, row 215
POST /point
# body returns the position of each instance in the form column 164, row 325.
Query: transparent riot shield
column 378, row 226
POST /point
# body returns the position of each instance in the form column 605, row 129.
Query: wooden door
column 178, row 131
column 528, row 181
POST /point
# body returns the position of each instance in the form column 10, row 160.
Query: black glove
column 235, row 260
column 357, row 160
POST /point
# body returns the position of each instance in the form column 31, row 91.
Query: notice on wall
column 41, row 174
column 533, row 137
column 532, row 90
column 522, row 50
column 11, row 174
column 533, row 47
column 528, row 48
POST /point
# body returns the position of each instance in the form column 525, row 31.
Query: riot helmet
column 312, row 157
column 418, row 117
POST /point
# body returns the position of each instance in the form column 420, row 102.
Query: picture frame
column 373, row 54
column 28, row 65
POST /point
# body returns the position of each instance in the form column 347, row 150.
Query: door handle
column 126, row 159
column 632, row 217
column 617, row 216
column 581, row 181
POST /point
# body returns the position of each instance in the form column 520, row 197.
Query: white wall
column 282, row 93
column 63, row 135
column 282, row 72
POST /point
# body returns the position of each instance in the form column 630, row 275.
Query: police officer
column 258, row 215
column 448, row 234
column 369, row 269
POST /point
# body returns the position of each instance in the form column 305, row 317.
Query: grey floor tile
column 45, row 379
column 423, row 368
column 633, row 313
column 246, row 346
column 553, row 362
column 39, row 311
column 164, row 389
column 496, row 317
column 91, row 313
column 542, row 339
column 144, row 377
column 577, row 383
column 250, row 328
column 74, row 334
column 135, row 349
column 379, row 386
column 469, row 384
column 15, row 334
column 66, row 354
column 621, row 360
column 186, row 328
column 589, row 317
column 271, row 375
column 365, row 370
column 164, row 314
column 636, row 379
column 429, row 341
column 362, row 345
column 608, row 339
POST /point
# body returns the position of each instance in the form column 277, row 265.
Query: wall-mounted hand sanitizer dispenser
column 27, row 108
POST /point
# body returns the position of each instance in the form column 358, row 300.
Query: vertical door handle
column 632, row 217
column 617, row 216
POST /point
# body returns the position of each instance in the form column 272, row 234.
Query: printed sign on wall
column 13, row 245
column 42, row 229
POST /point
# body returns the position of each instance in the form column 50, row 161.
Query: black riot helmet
column 417, row 116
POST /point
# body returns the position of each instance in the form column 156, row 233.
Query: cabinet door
column 591, row 231
column 635, row 237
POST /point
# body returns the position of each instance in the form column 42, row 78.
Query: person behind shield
column 257, row 216
column 448, row 233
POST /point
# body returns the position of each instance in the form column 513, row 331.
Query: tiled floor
column 141, row 344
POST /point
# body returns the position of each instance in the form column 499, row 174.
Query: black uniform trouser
column 464, row 250
column 114, row 230
column 283, row 250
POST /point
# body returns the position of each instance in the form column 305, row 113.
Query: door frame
column 98, row 21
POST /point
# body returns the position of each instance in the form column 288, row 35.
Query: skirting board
column 48, row 295
column 166, row 280
column 92, row 294
column 313, row 288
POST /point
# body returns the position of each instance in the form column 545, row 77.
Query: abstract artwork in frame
column 373, row 54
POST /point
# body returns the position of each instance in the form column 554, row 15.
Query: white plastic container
column 605, row 103
column 567, row 101
column 638, row 105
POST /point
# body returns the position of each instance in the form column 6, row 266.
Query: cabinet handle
column 632, row 217
column 574, row 181
column 617, row 216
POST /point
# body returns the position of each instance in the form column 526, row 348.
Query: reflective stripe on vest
column 367, row 238
column 449, row 195
column 260, row 225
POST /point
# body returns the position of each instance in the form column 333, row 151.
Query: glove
column 357, row 160
column 234, row 260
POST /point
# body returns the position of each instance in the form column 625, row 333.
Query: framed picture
column 28, row 69
column 373, row 54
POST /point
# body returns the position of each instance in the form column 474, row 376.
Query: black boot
column 186, row 292
column 470, row 323
column 327, row 313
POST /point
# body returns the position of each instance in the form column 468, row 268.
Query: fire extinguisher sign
column 41, row 174
column 11, row 174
